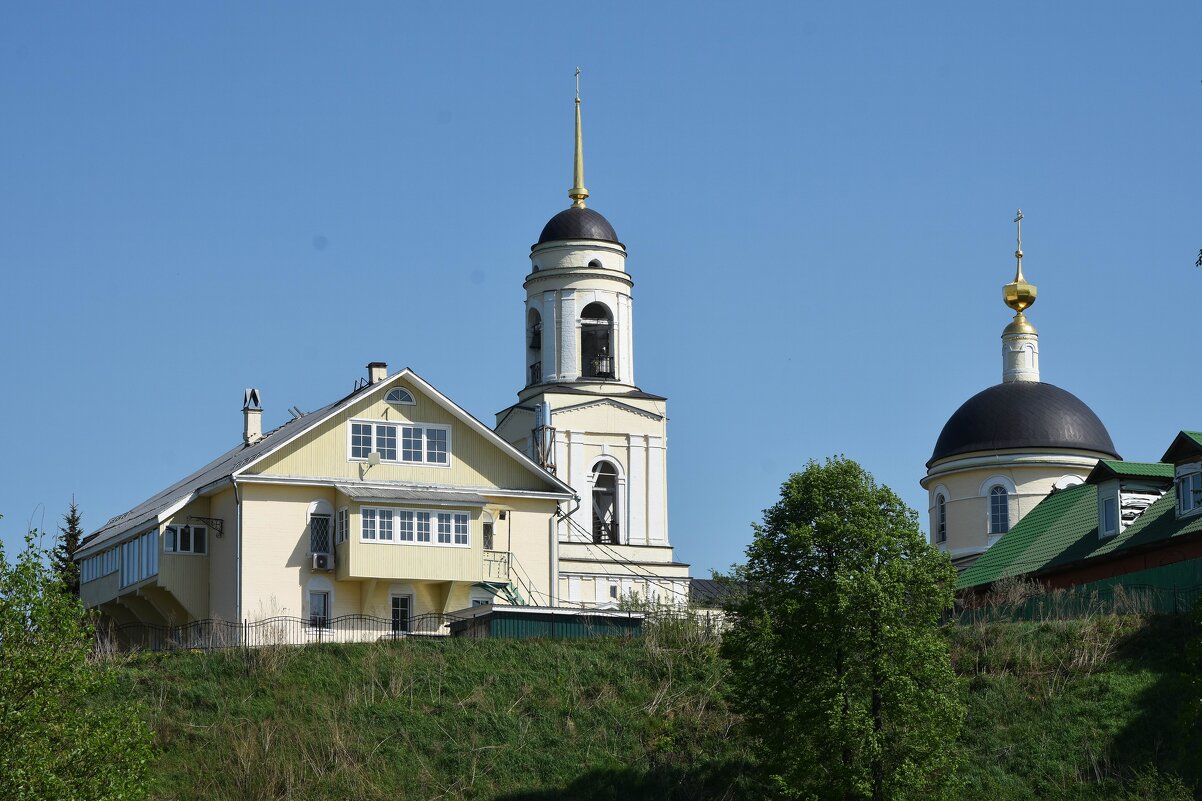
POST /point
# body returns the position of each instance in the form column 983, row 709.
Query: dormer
column 1126, row 490
column 1185, row 455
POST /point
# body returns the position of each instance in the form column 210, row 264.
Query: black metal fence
column 216, row 634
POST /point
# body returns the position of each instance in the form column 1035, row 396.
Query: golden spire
column 1019, row 294
column 578, row 193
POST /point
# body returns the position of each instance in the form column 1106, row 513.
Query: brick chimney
column 252, row 417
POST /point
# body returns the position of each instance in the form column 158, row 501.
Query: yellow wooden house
column 392, row 503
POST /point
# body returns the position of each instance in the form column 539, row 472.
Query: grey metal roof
column 577, row 223
column 1022, row 414
column 413, row 494
column 215, row 471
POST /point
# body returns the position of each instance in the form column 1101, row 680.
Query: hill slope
column 1072, row 710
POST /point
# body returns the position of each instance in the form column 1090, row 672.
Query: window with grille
column 319, row 534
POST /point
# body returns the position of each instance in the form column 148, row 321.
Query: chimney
column 252, row 417
column 377, row 372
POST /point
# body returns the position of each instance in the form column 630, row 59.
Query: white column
column 1020, row 357
column 657, row 492
column 550, row 335
column 637, row 472
column 580, row 483
column 569, row 335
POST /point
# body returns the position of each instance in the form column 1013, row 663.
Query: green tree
column 56, row 740
column 70, row 534
column 836, row 656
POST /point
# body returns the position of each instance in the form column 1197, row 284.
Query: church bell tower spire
column 1020, row 340
column 578, row 193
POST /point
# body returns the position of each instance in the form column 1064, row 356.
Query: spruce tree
column 62, row 558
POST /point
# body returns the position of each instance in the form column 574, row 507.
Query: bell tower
column 580, row 415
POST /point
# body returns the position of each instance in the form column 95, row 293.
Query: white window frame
column 139, row 558
column 1110, row 528
column 940, row 518
column 1189, row 498
column 408, row 399
column 410, row 525
column 1005, row 496
column 329, row 602
column 400, row 427
column 171, row 539
column 342, row 525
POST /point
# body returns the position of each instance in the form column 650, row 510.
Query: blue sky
column 816, row 199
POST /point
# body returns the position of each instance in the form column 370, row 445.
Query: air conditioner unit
column 323, row 561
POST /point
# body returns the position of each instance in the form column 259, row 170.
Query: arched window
column 595, row 264
column 400, row 397
column 605, row 504
column 534, row 335
column 940, row 518
column 596, row 342
column 999, row 510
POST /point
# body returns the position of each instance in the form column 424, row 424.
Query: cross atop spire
column 578, row 193
column 1018, row 251
column 1018, row 294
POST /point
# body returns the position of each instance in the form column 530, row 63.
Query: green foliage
column 836, row 655
column 1075, row 709
column 56, row 743
column 70, row 535
column 606, row 718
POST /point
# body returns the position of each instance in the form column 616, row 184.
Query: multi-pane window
column 1189, row 492
column 342, row 525
column 386, row 442
column 319, row 609
column 384, row 524
column 413, row 444
column 360, row 440
column 185, row 539
column 415, row 527
column 940, row 519
column 140, row 558
column 436, row 445
column 98, row 566
column 999, row 510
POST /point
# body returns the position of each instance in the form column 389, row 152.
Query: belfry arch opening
column 596, row 342
column 605, row 504
column 534, row 336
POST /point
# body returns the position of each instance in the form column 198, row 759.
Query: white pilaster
column 569, row 335
column 637, row 472
column 550, row 337
column 625, row 304
column 657, row 492
column 579, row 481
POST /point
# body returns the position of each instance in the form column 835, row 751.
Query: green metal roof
column 1113, row 468
column 1185, row 445
column 1063, row 529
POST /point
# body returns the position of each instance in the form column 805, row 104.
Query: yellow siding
column 223, row 576
column 475, row 461
column 526, row 534
column 94, row 593
column 186, row 576
column 275, row 546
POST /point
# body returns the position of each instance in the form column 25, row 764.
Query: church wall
column 968, row 509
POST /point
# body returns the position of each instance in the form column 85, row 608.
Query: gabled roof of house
column 228, row 465
column 1107, row 469
column 1063, row 530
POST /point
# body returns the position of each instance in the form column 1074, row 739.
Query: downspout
column 237, row 552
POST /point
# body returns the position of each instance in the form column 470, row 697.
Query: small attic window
column 400, row 397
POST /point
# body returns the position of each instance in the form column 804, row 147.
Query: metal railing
column 601, row 367
column 536, row 373
column 1077, row 602
column 216, row 634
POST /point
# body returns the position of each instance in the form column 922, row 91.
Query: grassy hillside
column 1071, row 710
